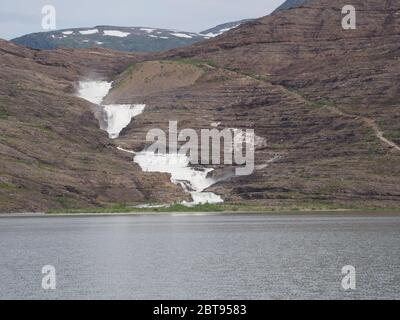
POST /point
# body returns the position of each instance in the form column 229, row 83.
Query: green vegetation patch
column 322, row 103
column 124, row 208
column 309, row 206
column 393, row 135
column 316, row 104
column 66, row 203
column 3, row 113
column 132, row 67
column 3, row 109
column 200, row 63
column 7, row 186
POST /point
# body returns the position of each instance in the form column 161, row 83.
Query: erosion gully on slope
column 113, row 118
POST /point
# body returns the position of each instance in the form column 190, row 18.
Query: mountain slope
column 129, row 39
column 323, row 102
column 304, row 49
column 52, row 152
column 322, row 97
column 136, row 39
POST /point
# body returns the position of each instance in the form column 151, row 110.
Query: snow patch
column 91, row 31
column 148, row 30
column 240, row 137
column 67, row 33
column 182, row 35
column 116, row 33
column 213, row 35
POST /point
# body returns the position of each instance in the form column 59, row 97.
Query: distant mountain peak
column 130, row 39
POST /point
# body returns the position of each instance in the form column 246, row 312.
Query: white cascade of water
column 112, row 117
column 115, row 117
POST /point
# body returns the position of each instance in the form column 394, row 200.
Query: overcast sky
column 18, row 17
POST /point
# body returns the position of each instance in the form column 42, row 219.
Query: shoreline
column 332, row 213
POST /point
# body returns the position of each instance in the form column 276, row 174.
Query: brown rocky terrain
column 326, row 100
column 306, row 49
column 52, row 153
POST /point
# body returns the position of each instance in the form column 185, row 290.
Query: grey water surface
column 253, row 256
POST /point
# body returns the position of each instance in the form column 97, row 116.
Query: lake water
column 200, row 256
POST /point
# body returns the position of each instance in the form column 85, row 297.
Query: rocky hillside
column 325, row 99
column 52, row 153
column 323, row 102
